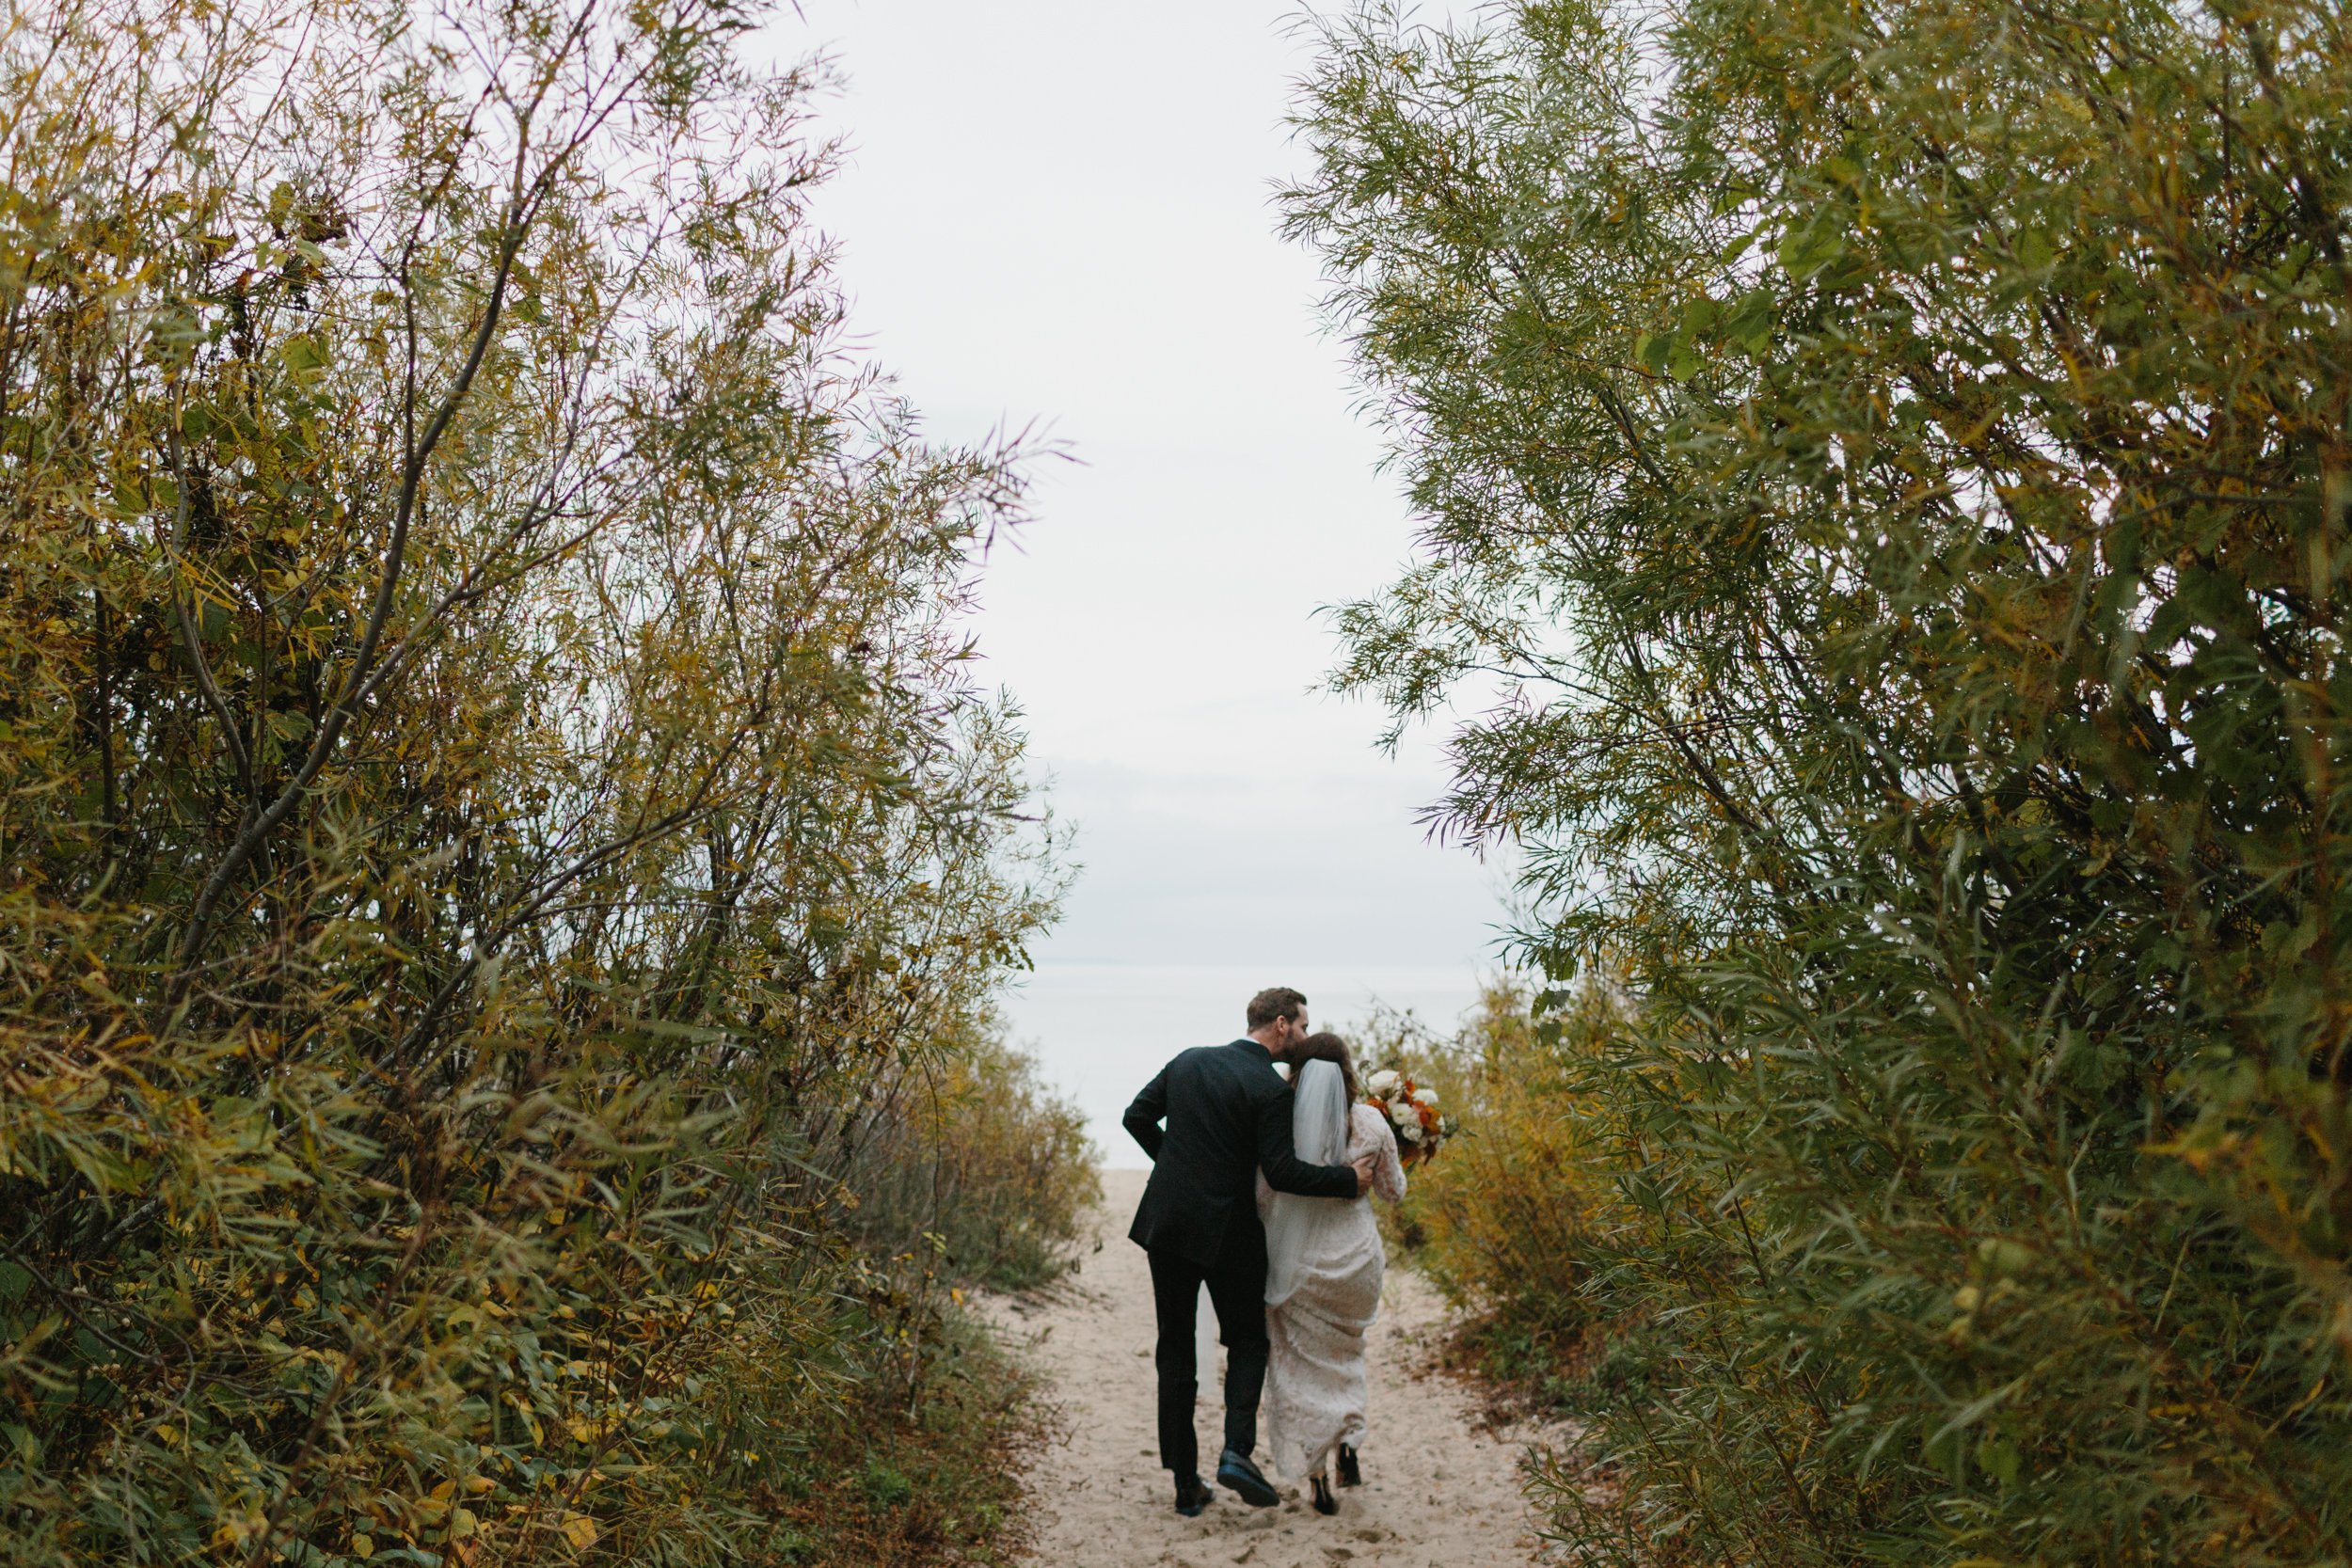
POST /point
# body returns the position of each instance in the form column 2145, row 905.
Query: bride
column 1323, row 1264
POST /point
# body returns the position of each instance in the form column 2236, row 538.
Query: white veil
column 1319, row 1134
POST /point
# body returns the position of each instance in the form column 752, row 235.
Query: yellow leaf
column 462, row 1522
column 581, row 1530
column 362, row 1547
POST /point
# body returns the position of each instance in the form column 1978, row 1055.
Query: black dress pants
column 1237, row 1292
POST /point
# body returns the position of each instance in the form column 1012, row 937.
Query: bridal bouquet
column 1412, row 1111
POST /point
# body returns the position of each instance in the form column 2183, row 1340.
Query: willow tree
column 1885, row 468
column 489, row 784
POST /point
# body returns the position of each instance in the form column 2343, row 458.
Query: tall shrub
column 1893, row 460
column 1499, row 1221
column 489, row 784
column 973, row 1162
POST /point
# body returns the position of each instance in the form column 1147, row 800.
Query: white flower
column 1427, row 1096
column 1410, row 1130
column 1403, row 1114
column 1384, row 1082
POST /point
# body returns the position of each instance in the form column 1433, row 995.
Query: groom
column 1229, row 1117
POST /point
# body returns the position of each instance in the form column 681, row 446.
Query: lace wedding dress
column 1323, row 1264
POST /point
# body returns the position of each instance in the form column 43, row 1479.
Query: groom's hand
column 1365, row 1163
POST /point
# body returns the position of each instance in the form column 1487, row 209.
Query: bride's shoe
column 1351, row 1474
column 1325, row 1502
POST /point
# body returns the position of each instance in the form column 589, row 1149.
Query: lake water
column 1101, row 1030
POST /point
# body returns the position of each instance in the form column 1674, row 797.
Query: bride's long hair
column 1325, row 1046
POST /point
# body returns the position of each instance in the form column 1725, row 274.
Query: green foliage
column 1498, row 1220
column 1894, row 461
column 491, row 790
column 870, row 1487
column 975, row 1166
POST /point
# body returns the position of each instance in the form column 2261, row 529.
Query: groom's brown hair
column 1272, row 1002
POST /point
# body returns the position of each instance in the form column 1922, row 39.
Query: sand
column 1441, row 1489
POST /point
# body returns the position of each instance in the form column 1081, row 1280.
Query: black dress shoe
column 1237, row 1474
column 1325, row 1502
column 1192, row 1496
column 1351, row 1473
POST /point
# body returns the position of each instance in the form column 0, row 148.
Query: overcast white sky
column 1058, row 215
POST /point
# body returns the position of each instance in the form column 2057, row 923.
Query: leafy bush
column 877, row 1488
column 1892, row 459
column 1496, row 1220
column 491, row 793
column 974, row 1163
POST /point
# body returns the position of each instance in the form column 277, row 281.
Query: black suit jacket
column 1229, row 1117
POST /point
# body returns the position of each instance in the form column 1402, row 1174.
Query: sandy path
column 1438, row 1490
